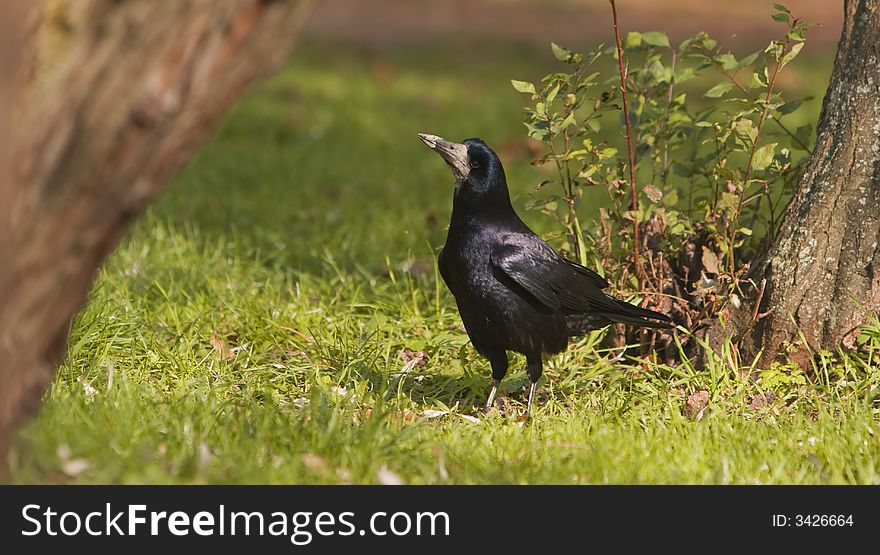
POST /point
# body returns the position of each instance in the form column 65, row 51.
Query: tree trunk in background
column 110, row 100
column 823, row 273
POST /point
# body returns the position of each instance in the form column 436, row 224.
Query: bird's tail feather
column 636, row 321
column 626, row 313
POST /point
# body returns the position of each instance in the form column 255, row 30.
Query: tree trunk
column 110, row 100
column 823, row 273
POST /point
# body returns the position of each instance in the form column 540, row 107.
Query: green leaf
column 589, row 170
column 551, row 96
column 633, row 39
column 590, row 78
column 790, row 107
column 539, row 130
column 775, row 49
column 791, row 54
column 746, row 131
column 727, row 61
column 757, row 81
column 562, row 54
column 728, row 202
column 748, row 60
column 684, row 74
column 780, row 8
column 763, row 157
column 523, row 86
column 781, row 17
column 718, row 90
column 655, row 38
column 608, row 152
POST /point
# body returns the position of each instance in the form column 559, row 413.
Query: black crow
column 514, row 292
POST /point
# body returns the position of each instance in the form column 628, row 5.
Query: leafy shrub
column 711, row 174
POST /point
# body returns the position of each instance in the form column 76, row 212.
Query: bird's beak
column 455, row 154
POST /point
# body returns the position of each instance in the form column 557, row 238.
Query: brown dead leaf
column 344, row 475
column 315, row 463
column 710, row 261
column 223, row 351
column 653, row 193
column 70, row 466
column 696, row 404
column 761, row 400
column 75, row 467
column 388, row 478
column 413, row 359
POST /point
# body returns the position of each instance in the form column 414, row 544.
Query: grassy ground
column 250, row 328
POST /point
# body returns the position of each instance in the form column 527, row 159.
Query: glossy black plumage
column 513, row 291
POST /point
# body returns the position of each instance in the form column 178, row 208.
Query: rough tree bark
column 110, row 99
column 823, row 273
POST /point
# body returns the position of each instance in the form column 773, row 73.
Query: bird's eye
column 473, row 164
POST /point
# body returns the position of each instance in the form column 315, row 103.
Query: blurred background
column 578, row 23
column 332, row 138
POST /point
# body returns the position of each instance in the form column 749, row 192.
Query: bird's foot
column 490, row 402
column 532, row 389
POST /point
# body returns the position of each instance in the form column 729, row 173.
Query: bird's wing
column 444, row 271
column 554, row 281
column 561, row 284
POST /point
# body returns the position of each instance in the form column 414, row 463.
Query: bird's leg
column 491, row 400
column 534, row 368
column 498, row 359
column 532, row 389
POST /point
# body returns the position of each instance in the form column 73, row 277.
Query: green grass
column 302, row 239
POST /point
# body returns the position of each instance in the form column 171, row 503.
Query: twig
column 748, row 173
column 756, row 315
column 751, row 96
column 634, row 200
column 666, row 120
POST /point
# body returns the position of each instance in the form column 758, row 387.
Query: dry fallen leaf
column 75, row 467
column 710, row 261
column 223, row 351
column 87, row 387
column 408, row 355
column 340, row 391
column 653, row 193
column 388, row 478
column 71, row 467
column 315, row 463
column 696, row 404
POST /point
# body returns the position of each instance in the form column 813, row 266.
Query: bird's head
column 475, row 166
